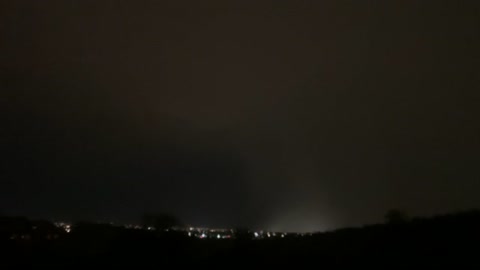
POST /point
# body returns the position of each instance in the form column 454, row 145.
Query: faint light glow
column 283, row 235
column 268, row 234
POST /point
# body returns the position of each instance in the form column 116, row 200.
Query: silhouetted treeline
column 443, row 240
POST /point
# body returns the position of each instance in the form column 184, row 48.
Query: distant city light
column 196, row 232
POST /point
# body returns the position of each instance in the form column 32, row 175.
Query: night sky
column 285, row 115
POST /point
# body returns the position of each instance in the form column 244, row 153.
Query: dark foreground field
column 452, row 240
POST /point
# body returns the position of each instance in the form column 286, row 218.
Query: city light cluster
column 202, row 232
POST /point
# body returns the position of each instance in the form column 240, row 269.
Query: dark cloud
column 282, row 114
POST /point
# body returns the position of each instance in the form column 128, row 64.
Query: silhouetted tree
column 161, row 221
column 396, row 216
column 243, row 234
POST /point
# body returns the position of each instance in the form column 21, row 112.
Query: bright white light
column 256, row 234
column 203, row 235
column 189, row 234
column 67, row 229
column 268, row 234
column 218, row 236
